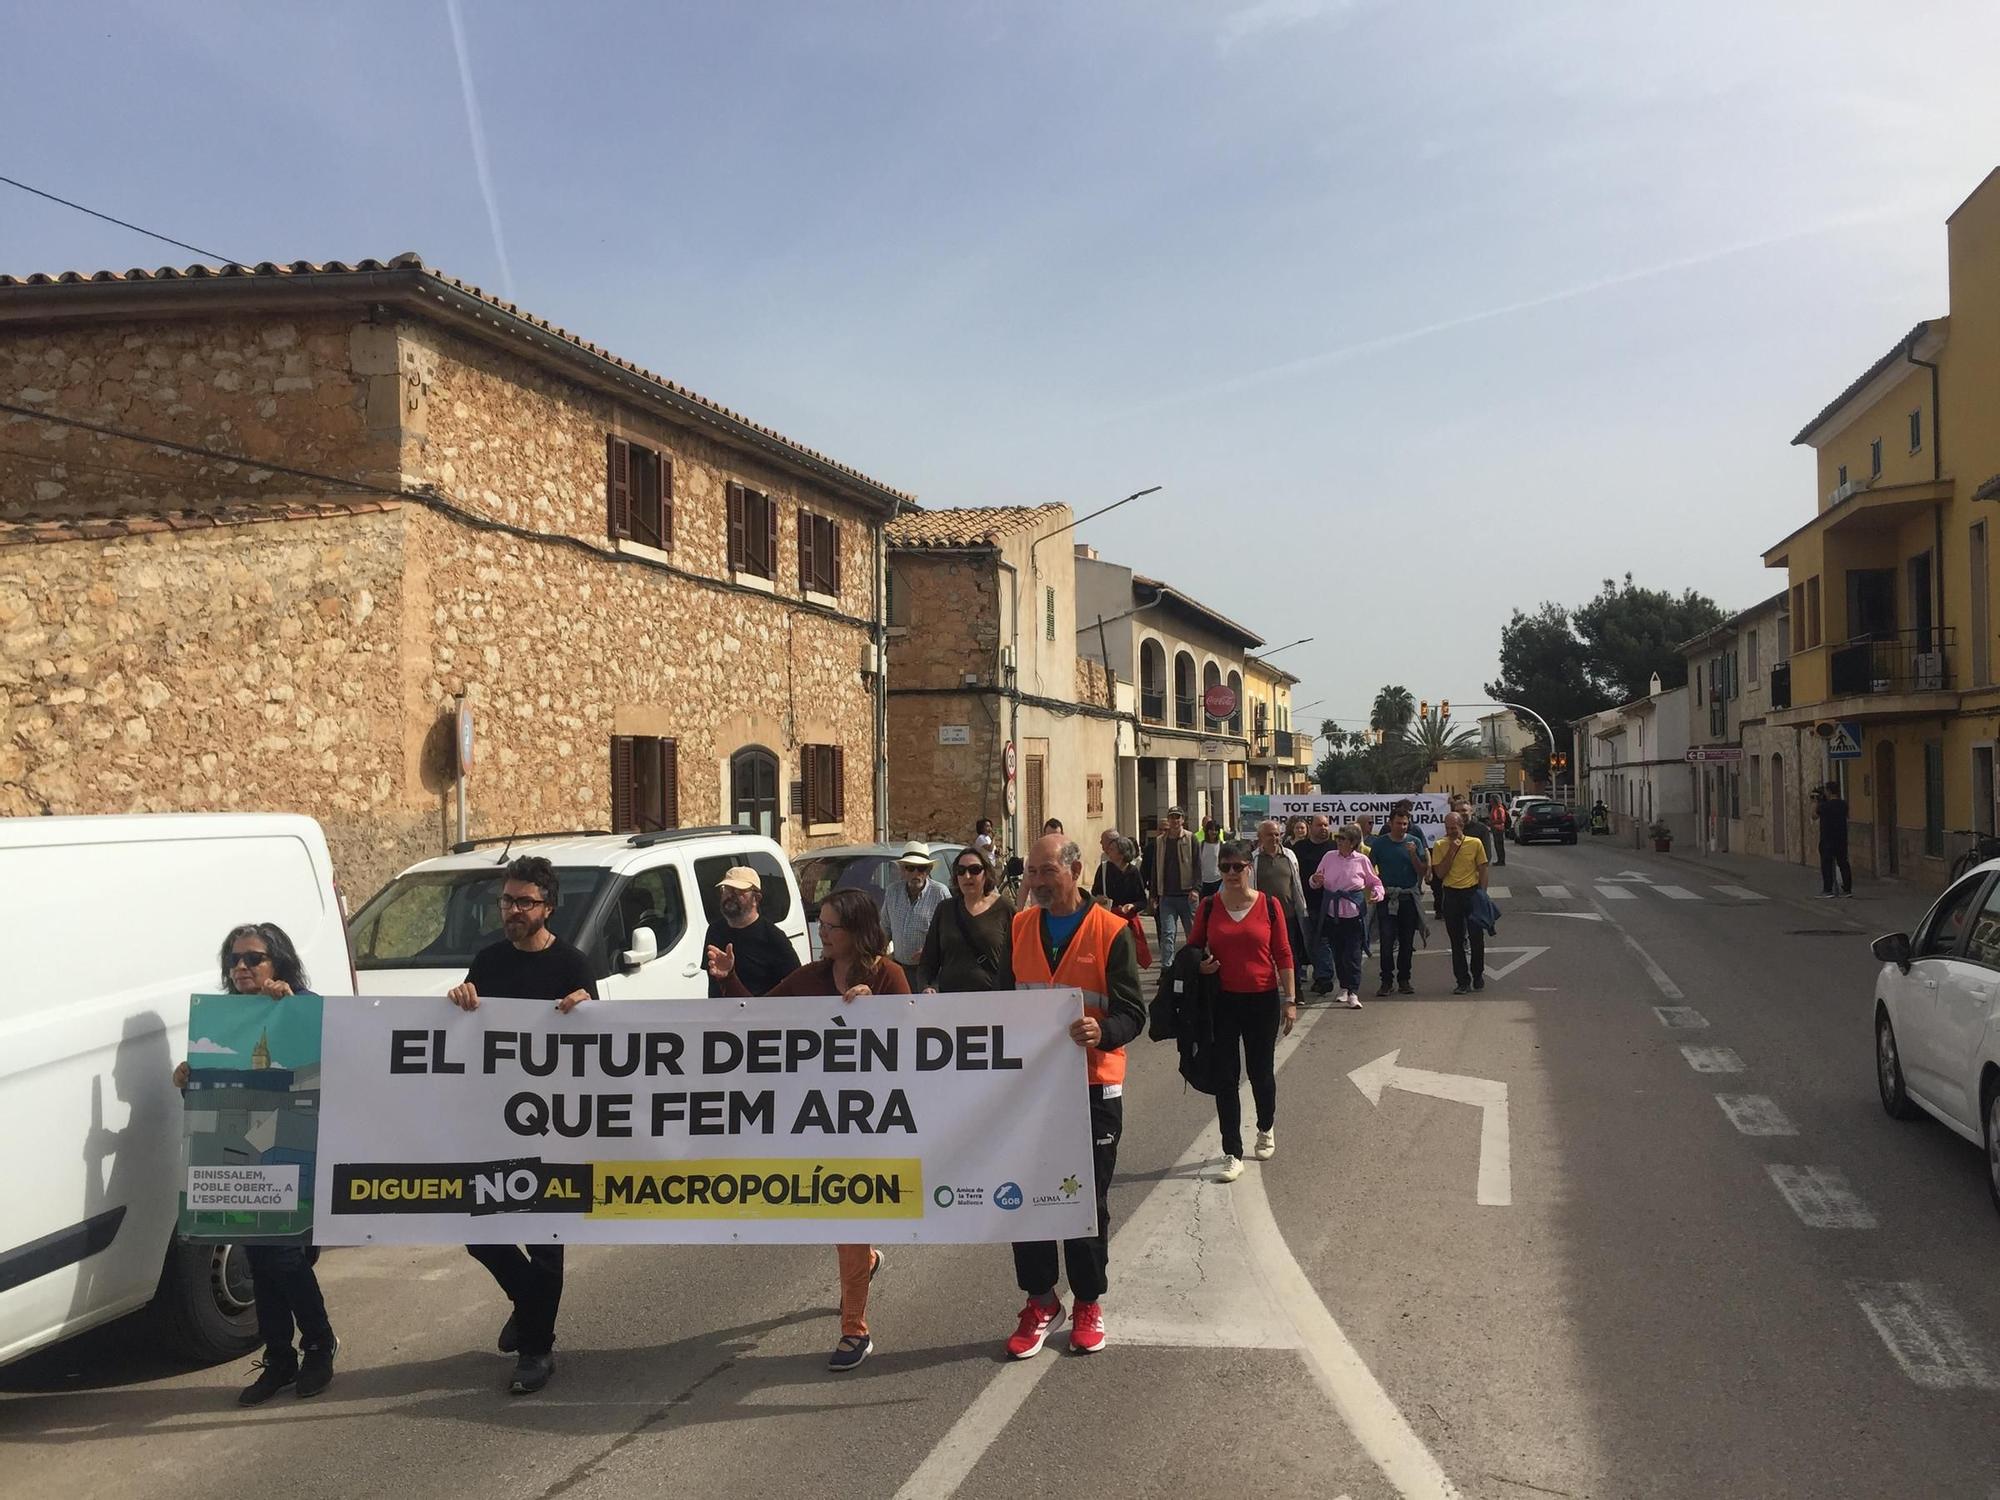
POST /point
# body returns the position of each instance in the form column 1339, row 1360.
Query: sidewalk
column 1877, row 905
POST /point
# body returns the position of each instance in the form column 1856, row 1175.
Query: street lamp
column 1524, row 709
column 1267, row 655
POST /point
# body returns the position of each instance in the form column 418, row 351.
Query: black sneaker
column 1404, row 988
column 1388, row 988
column 1323, row 987
column 316, row 1368
column 510, row 1337
column 531, row 1373
column 1479, row 983
column 849, row 1352
column 273, row 1378
column 1461, row 989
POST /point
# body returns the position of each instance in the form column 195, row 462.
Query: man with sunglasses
column 530, row 963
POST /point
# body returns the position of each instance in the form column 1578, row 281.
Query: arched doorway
column 753, row 790
column 1885, row 807
column 1778, row 806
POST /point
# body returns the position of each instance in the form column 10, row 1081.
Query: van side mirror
column 1894, row 949
column 645, row 948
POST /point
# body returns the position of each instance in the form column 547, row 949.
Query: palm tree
column 1394, row 709
column 1431, row 739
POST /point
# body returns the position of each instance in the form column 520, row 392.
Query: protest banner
column 942, row 1119
column 251, row 1118
column 1427, row 808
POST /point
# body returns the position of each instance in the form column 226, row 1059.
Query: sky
column 1416, row 312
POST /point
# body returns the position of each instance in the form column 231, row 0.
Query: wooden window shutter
column 670, row 784
column 622, row 820
column 809, row 765
column 618, row 486
column 798, row 797
column 738, row 537
column 666, row 502
column 833, row 556
column 838, row 756
column 770, row 538
column 807, row 526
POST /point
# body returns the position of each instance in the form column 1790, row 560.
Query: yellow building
column 1280, row 759
column 1889, row 628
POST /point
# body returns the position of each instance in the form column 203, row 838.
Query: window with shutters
column 753, row 532
column 645, row 784
column 819, row 554
column 1093, row 796
column 639, row 494
column 824, row 786
column 1048, row 614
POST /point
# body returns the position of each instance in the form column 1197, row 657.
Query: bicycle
column 1984, row 846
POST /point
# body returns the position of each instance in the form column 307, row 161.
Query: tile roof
column 97, row 528
column 412, row 266
column 1904, row 345
column 1164, row 592
column 977, row 526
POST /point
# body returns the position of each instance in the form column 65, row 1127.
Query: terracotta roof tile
column 109, row 526
column 410, row 261
column 980, row 526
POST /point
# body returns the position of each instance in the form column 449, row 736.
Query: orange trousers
column 857, row 1266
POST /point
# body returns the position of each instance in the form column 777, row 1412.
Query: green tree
column 1542, row 664
column 1429, row 738
column 1393, row 710
column 1629, row 633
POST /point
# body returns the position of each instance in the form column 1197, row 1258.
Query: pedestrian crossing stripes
column 1627, row 891
column 1554, row 892
column 1499, row 892
column 1677, row 892
column 1741, row 893
column 1821, row 1197
column 1616, row 893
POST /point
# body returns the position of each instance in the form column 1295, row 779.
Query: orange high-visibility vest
column 1082, row 967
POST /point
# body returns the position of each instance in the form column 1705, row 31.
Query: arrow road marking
column 1639, row 875
column 1581, row 916
column 1521, row 956
column 1496, row 1161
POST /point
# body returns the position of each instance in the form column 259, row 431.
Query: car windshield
column 821, row 875
column 437, row 919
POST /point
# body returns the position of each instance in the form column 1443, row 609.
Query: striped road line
column 1741, row 893
column 1677, row 892
column 1554, row 892
column 1616, row 893
column 1499, row 892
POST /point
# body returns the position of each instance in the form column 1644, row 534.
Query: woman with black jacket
column 970, row 946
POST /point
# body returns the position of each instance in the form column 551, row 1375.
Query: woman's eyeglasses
column 249, row 959
column 964, row 870
column 1233, row 867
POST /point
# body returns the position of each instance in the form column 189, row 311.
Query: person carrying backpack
column 1242, row 932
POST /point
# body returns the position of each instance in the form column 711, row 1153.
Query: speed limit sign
column 1007, row 760
column 1013, row 796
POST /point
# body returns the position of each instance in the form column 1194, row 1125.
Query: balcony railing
column 1892, row 661
column 1781, row 686
column 1153, row 705
column 1185, row 710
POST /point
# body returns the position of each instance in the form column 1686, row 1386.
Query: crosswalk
column 1628, row 888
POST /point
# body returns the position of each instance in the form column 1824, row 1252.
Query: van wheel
column 1992, row 1114
column 1889, row 1071
column 204, row 1310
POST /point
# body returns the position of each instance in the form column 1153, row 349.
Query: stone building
column 261, row 528
column 984, row 654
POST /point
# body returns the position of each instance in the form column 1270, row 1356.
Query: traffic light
column 1423, row 708
column 1444, row 709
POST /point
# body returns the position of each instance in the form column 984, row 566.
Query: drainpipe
column 882, row 681
column 1937, row 473
column 1013, row 699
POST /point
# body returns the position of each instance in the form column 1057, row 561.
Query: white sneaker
column 1232, row 1168
column 1267, row 1145
column 1352, row 1001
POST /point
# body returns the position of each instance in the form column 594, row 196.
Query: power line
column 124, row 223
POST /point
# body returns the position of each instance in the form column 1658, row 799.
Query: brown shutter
column 622, row 820
column 738, row 537
column 666, row 503
column 670, row 784
column 798, row 795
column 809, row 764
column 806, row 527
column 832, row 549
column 838, row 756
column 618, row 486
column 771, row 538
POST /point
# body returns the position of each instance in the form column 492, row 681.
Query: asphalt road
column 1656, row 1303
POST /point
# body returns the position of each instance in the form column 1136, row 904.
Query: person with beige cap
column 909, row 905
column 764, row 955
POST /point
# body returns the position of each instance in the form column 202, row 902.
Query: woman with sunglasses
column 259, row 959
column 1242, row 933
column 970, row 945
column 852, row 964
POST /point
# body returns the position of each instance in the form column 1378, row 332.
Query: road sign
column 1013, row 796
column 1698, row 755
column 954, row 734
column 1007, row 760
column 464, row 739
column 1845, row 741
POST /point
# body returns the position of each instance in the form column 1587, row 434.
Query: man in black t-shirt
column 531, row 964
column 764, row 955
column 1830, row 808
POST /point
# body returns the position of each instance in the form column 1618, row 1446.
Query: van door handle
column 690, row 971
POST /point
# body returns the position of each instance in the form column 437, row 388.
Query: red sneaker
column 1037, row 1319
column 1086, row 1329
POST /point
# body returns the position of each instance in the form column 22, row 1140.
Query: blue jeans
column 1176, row 912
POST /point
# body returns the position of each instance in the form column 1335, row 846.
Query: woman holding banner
column 258, row 958
column 852, row 945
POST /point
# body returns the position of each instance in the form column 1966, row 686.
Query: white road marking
column 1754, row 1114
column 1681, row 1017
column 1496, row 1156
column 1581, row 916
column 1929, row 1340
column 1742, row 893
column 1499, row 892
column 1677, row 892
column 1553, row 892
column 1615, row 892
column 1345, row 1378
column 1521, row 956
column 1638, row 875
column 1821, row 1197
column 1713, row 1059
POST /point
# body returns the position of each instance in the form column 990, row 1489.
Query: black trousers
column 287, row 1292
column 1499, row 846
column 1466, row 939
column 1246, row 1026
column 1087, row 1260
column 1398, row 919
column 533, row 1281
column 1829, row 861
column 1347, row 935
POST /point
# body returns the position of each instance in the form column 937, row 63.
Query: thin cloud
column 478, row 133
column 1307, row 364
column 1248, row 21
column 202, row 1046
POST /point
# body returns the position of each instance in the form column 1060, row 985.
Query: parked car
column 1543, row 819
column 1937, row 1016
column 118, row 920
column 636, row 904
column 863, row 867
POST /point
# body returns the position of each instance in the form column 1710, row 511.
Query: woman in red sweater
column 852, row 940
column 1243, row 933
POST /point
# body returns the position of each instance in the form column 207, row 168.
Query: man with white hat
column 907, row 909
column 764, row 955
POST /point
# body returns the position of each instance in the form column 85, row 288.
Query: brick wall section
column 933, row 788
column 1094, row 683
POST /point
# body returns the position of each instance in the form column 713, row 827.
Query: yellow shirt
column 1465, row 865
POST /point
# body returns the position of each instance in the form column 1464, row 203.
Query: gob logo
column 1008, row 1195
column 944, row 1197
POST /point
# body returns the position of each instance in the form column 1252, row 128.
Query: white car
column 1937, row 1016
column 638, row 905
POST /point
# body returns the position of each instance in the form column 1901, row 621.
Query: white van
column 117, row 921
column 638, row 905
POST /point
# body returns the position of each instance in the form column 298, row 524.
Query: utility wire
column 124, row 223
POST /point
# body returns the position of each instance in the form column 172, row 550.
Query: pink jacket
column 1354, row 873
